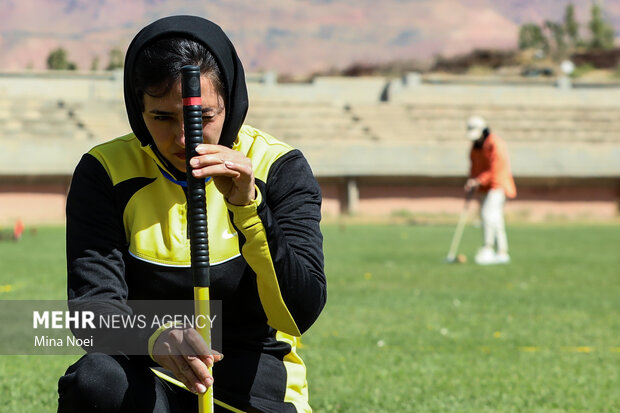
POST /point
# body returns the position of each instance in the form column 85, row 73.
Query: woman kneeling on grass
column 126, row 239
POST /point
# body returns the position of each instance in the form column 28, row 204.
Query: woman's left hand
column 231, row 171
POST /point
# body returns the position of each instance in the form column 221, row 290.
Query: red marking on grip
column 191, row 101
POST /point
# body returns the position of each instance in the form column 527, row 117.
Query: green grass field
column 404, row 332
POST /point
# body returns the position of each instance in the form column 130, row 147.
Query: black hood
column 216, row 41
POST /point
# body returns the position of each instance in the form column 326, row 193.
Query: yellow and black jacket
column 127, row 240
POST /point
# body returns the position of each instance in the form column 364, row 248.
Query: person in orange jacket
column 490, row 175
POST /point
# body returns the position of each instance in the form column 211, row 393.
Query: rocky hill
column 289, row 36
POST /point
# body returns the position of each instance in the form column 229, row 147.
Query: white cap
column 475, row 126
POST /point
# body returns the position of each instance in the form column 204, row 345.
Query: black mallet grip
column 196, row 201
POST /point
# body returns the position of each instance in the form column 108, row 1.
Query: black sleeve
column 95, row 244
column 291, row 216
column 95, row 236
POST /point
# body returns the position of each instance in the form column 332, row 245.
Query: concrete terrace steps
column 294, row 110
column 347, row 127
column 548, row 129
column 297, row 121
column 91, row 120
column 297, row 136
column 39, row 119
column 414, row 136
column 444, row 122
column 508, row 112
column 326, row 121
column 104, row 120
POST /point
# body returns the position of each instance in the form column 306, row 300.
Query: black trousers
column 103, row 383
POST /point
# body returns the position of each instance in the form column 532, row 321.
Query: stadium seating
column 419, row 123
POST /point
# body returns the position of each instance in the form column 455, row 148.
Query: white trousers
column 492, row 216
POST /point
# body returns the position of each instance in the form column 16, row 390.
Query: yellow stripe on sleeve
column 256, row 253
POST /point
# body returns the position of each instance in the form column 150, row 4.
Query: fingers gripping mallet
column 197, row 211
column 456, row 239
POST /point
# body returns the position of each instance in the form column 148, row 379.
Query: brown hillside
column 298, row 36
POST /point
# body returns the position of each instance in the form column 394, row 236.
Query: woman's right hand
column 471, row 184
column 184, row 352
